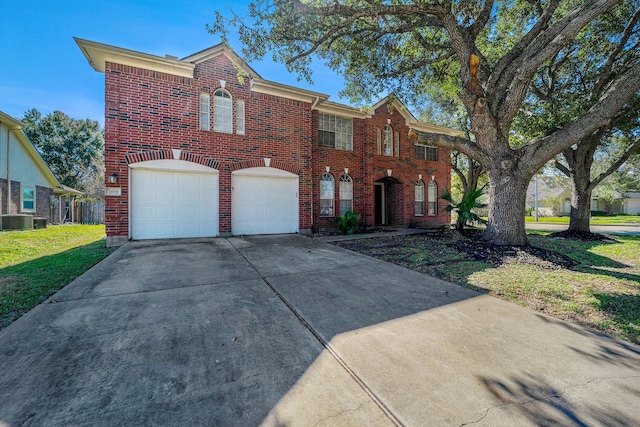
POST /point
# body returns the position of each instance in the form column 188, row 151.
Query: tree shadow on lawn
column 25, row 285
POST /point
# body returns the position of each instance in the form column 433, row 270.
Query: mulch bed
column 470, row 242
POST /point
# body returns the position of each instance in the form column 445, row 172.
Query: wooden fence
column 89, row 212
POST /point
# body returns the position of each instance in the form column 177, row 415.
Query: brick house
column 203, row 146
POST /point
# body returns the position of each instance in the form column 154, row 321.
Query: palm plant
column 465, row 207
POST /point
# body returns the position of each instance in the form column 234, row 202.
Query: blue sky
column 42, row 66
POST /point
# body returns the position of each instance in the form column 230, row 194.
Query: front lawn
column 34, row 264
column 594, row 283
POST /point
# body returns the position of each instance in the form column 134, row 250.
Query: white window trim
column 346, row 196
column 226, row 121
column 427, row 146
column 342, row 126
column 27, row 187
column 240, row 117
column 419, row 185
column 205, row 125
column 387, row 143
column 328, row 178
column 434, row 185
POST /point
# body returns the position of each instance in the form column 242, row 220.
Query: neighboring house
column 192, row 150
column 554, row 198
column 27, row 185
column 631, row 203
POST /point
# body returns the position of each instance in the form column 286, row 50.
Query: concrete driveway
column 287, row 330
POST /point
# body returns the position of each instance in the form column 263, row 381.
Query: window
column 432, row 198
column 204, row 112
column 419, row 198
column 222, row 111
column 397, row 146
column 326, row 195
column 424, row 152
column 28, row 199
column 346, row 194
column 240, row 117
column 388, row 141
column 335, row 132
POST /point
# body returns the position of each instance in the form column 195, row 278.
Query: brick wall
column 147, row 111
column 43, row 207
column 151, row 111
column 366, row 168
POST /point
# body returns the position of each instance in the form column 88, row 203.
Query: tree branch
column 453, row 142
column 599, row 116
column 511, row 87
column 562, row 168
column 604, row 75
column 481, row 20
column 632, row 149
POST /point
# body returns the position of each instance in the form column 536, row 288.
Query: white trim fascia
column 426, row 127
column 342, row 110
column 285, row 91
column 173, row 165
column 399, row 106
column 221, row 49
column 12, row 123
column 98, row 53
column 265, row 171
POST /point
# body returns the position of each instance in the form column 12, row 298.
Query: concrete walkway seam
column 325, row 344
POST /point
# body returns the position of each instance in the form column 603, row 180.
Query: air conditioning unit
column 17, row 222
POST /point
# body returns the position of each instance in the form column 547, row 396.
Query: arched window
column 222, row 111
column 326, row 195
column 388, row 141
column 419, row 198
column 346, row 194
column 432, row 199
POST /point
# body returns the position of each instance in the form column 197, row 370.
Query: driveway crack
column 546, row 399
column 324, row 344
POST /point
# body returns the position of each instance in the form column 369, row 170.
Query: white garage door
column 264, row 201
column 173, row 203
column 633, row 206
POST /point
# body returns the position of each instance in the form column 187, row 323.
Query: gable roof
column 17, row 127
column 221, row 49
column 98, row 54
column 411, row 120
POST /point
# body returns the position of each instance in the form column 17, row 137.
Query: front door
column 380, row 217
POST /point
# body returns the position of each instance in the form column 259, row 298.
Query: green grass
column 596, row 220
column 34, row 264
column 602, row 291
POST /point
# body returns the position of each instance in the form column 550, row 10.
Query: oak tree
column 403, row 46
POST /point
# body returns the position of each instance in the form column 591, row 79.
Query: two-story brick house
column 203, row 146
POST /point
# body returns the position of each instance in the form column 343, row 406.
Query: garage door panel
column 264, row 204
column 173, row 204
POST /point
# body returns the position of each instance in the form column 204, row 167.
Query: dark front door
column 379, row 203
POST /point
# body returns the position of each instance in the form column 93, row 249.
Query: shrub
column 598, row 213
column 465, row 207
column 347, row 223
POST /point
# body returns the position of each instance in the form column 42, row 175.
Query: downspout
column 312, row 177
column 8, row 172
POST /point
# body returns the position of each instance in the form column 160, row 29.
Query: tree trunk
column 580, row 203
column 507, row 195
